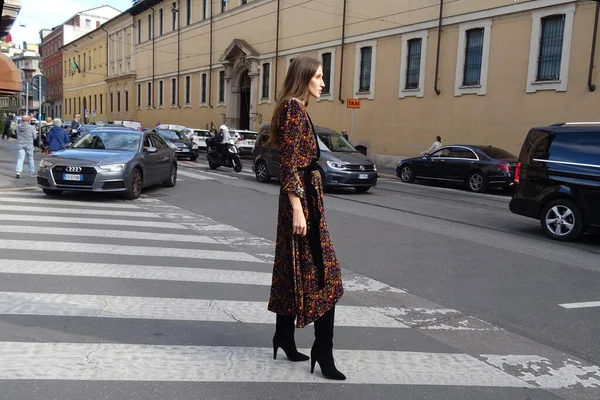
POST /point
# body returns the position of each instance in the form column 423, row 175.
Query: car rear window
column 575, row 147
column 248, row 135
column 495, row 152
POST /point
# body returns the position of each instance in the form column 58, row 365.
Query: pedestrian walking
column 307, row 281
column 7, row 126
column 26, row 135
column 57, row 137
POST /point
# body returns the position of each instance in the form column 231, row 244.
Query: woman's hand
column 299, row 222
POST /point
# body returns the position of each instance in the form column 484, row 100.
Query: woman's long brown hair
column 301, row 71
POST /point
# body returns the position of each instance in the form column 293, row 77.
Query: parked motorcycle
column 216, row 158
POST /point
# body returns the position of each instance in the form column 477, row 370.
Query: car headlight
column 172, row 145
column 46, row 164
column 194, row 147
column 374, row 167
column 112, row 167
column 336, row 165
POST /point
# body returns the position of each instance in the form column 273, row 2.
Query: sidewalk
column 8, row 162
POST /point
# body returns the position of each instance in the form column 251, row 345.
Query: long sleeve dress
column 307, row 279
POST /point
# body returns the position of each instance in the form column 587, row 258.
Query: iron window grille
column 365, row 69
column 473, row 57
column 265, row 80
column 551, row 44
column 413, row 69
column 188, row 15
column 326, row 60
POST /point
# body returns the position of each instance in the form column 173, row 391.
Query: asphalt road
column 449, row 296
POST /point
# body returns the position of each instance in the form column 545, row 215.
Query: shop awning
column 10, row 77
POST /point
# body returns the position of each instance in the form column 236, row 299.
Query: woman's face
column 316, row 84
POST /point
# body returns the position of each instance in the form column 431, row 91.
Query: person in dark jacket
column 57, row 137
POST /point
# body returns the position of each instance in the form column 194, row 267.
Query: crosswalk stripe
column 78, row 211
column 65, row 202
column 102, row 306
column 163, row 363
column 164, row 273
column 102, row 233
column 110, row 249
column 205, row 175
column 89, row 221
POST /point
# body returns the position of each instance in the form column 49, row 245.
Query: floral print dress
column 307, row 279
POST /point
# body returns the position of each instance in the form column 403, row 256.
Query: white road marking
column 175, row 309
column 77, row 211
column 163, row 363
column 69, row 247
column 65, row 202
column 89, row 221
column 587, row 304
column 205, row 175
column 111, row 234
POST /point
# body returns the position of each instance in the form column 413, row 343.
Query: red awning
column 10, row 77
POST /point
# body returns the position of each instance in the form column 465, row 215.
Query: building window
column 118, row 101
column 90, row 62
column 366, row 55
column 139, row 95
column 266, row 80
column 174, row 16
column 84, row 64
column 149, row 102
column 111, row 107
column 160, row 22
column 139, row 29
column 149, row 26
column 97, row 24
column 364, row 69
column 223, row 6
column 88, row 23
column 204, row 8
column 326, row 62
column 221, row 86
column 161, row 93
column 472, row 59
column 188, row 12
column 473, row 56
column 188, row 89
column 413, row 63
column 550, row 49
column 244, row 2
column 203, row 89
column 126, row 101
column 100, row 104
column 95, row 102
column 551, row 43
column 173, row 92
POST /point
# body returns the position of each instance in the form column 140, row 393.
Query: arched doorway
column 244, row 106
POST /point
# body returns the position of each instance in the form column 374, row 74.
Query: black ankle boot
column 284, row 338
column 322, row 350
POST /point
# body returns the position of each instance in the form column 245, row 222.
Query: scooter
column 216, row 159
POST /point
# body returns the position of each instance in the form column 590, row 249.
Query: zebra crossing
column 102, row 290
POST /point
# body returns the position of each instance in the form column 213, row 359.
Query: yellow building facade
column 84, row 86
column 471, row 71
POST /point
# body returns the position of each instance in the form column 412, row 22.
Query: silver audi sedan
column 110, row 160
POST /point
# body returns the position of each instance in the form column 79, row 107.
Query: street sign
column 353, row 103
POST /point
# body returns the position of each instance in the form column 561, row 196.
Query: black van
column 557, row 179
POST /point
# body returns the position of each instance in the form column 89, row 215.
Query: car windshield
column 169, row 134
column 336, row 143
column 109, row 140
column 495, row 152
column 201, row 133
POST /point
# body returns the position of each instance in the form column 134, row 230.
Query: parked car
column 199, row 136
column 479, row 167
column 244, row 141
column 558, row 179
column 110, row 161
column 183, row 146
column 340, row 165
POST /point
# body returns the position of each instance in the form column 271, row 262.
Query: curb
column 18, row 189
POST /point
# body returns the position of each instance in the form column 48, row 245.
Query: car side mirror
column 151, row 149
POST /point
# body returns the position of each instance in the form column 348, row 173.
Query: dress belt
column 314, row 214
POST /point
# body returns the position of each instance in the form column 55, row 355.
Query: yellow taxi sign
column 353, row 103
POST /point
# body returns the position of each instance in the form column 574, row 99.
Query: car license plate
column 363, row 176
column 72, row 177
column 185, row 149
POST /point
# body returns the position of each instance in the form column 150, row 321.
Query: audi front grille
column 88, row 175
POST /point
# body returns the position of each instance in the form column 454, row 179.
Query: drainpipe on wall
column 210, row 59
column 437, row 60
column 342, row 55
column 591, row 86
column 178, row 51
column 106, row 51
column 277, row 48
column 153, row 36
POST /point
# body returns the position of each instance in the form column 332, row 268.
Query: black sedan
column 183, row 146
column 479, row 167
column 109, row 160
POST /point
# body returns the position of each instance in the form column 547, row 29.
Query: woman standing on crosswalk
column 307, row 279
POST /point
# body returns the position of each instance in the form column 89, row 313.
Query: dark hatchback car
column 479, row 167
column 340, row 165
column 558, row 179
column 183, row 146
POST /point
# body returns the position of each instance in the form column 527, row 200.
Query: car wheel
column 562, row 220
column 477, row 182
column 362, row 189
column 135, row 185
column 52, row 192
column 406, row 173
column 323, row 180
column 193, row 158
column 261, row 172
column 212, row 164
column 172, row 181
